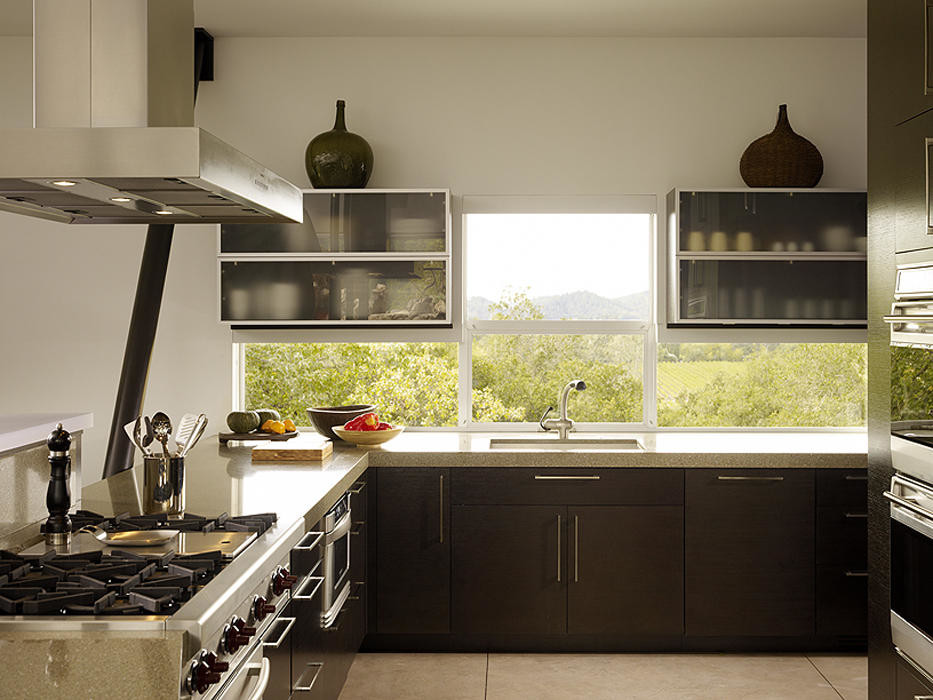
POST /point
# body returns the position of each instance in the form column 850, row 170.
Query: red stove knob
column 210, row 658
column 261, row 608
column 282, row 581
column 233, row 638
column 240, row 624
column 201, row 677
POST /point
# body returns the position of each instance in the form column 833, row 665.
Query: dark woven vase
column 338, row 158
column 782, row 158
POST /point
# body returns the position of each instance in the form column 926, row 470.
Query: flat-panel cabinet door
column 626, row 570
column 509, row 570
column 908, row 173
column 412, row 534
column 749, row 539
column 908, row 58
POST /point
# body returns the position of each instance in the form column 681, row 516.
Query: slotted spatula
column 185, row 428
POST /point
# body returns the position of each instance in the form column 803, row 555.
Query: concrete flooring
column 606, row 676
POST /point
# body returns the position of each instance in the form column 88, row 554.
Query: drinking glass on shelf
column 696, row 241
column 744, row 241
column 719, row 241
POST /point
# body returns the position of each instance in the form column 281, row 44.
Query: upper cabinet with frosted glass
column 766, row 257
column 360, row 258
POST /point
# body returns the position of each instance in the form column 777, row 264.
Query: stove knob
column 210, row 658
column 232, row 638
column 201, row 677
column 282, row 581
column 241, row 627
column 261, row 608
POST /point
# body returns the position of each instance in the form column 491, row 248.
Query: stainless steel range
column 203, row 581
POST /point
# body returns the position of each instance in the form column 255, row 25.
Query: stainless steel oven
column 337, row 525
column 912, row 568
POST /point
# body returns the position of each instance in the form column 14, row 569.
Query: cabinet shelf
column 761, row 255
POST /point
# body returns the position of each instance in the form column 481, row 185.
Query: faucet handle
column 543, row 417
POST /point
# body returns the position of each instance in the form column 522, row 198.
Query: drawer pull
column 856, row 515
column 360, row 485
column 750, row 478
column 301, row 686
column 853, row 477
column 562, row 477
column 299, row 593
column 303, row 545
column 558, row 547
column 856, row 574
column 288, row 628
column 441, row 509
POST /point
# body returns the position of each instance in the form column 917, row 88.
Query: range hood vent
column 114, row 140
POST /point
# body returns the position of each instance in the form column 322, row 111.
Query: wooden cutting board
column 304, row 448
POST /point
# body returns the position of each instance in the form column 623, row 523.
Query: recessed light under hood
column 114, row 140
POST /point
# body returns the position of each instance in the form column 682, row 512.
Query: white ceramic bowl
column 368, row 437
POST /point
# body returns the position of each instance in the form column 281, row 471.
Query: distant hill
column 579, row 305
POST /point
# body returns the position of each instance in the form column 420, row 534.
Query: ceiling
column 630, row 18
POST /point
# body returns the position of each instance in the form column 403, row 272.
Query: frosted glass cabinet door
column 351, row 222
column 772, row 291
column 384, row 292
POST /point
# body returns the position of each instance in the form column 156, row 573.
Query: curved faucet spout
column 563, row 424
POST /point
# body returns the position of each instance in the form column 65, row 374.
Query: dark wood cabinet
column 912, row 684
column 749, row 553
column 509, row 569
column 910, row 86
column 626, row 570
column 909, row 181
column 412, row 542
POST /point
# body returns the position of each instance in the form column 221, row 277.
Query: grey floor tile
column 654, row 676
column 848, row 673
column 416, row 677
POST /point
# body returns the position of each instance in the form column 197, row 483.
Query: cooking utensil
column 184, row 430
column 130, row 538
column 196, row 434
column 133, row 430
column 162, row 428
column 148, row 435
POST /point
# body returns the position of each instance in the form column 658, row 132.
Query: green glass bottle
column 339, row 158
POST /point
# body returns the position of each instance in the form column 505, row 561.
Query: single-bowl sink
column 546, row 442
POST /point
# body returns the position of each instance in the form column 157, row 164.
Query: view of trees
column 516, row 376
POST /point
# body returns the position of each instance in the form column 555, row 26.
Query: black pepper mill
column 58, row 497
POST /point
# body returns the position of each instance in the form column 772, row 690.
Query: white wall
column 481, row 116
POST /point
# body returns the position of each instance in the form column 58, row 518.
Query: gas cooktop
column 89, row 577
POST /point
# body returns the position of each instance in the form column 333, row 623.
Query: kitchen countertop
column 666, row 449
column 31, row 428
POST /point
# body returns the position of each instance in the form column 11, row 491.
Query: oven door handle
column 340, row 529
column 912, row 507
column 264, row 672
column 283, row 635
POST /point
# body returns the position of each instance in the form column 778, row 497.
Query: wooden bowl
column 368, row 437
column 324, row 419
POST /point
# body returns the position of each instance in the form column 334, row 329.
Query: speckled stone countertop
column 664, row 449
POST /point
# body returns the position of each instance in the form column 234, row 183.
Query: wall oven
column 337, row 525
column 911, row 492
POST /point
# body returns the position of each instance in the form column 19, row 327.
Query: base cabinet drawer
column 842, row 537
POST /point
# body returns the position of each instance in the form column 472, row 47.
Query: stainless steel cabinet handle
column 298, row 594
column 308, row 542
column 853, row 477
column 558, row 547
column 576, row 548
column 359, row 486
column 856, row 574
column 288, row 628
column 923, row 697
column 441, row 511
column 302, row 686
column 750, row 478
column 559, row 477
column 913, row 664
column 856, row 515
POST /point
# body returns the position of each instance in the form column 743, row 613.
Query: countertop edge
column 17, row 431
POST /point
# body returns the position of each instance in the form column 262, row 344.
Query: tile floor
column 606, row 676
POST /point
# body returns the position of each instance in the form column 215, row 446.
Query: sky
column 607, row 254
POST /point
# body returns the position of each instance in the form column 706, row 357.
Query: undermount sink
column 546, row 442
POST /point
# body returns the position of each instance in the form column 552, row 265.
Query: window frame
column 647, row 329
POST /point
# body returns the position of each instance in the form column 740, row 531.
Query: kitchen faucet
column 563, row 425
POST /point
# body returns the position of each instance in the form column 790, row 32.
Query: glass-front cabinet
column 361, row 257
column 764, row 257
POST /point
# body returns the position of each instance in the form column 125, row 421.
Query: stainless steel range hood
column 114, row 139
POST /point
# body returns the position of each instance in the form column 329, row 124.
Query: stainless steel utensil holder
column 163, row 485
